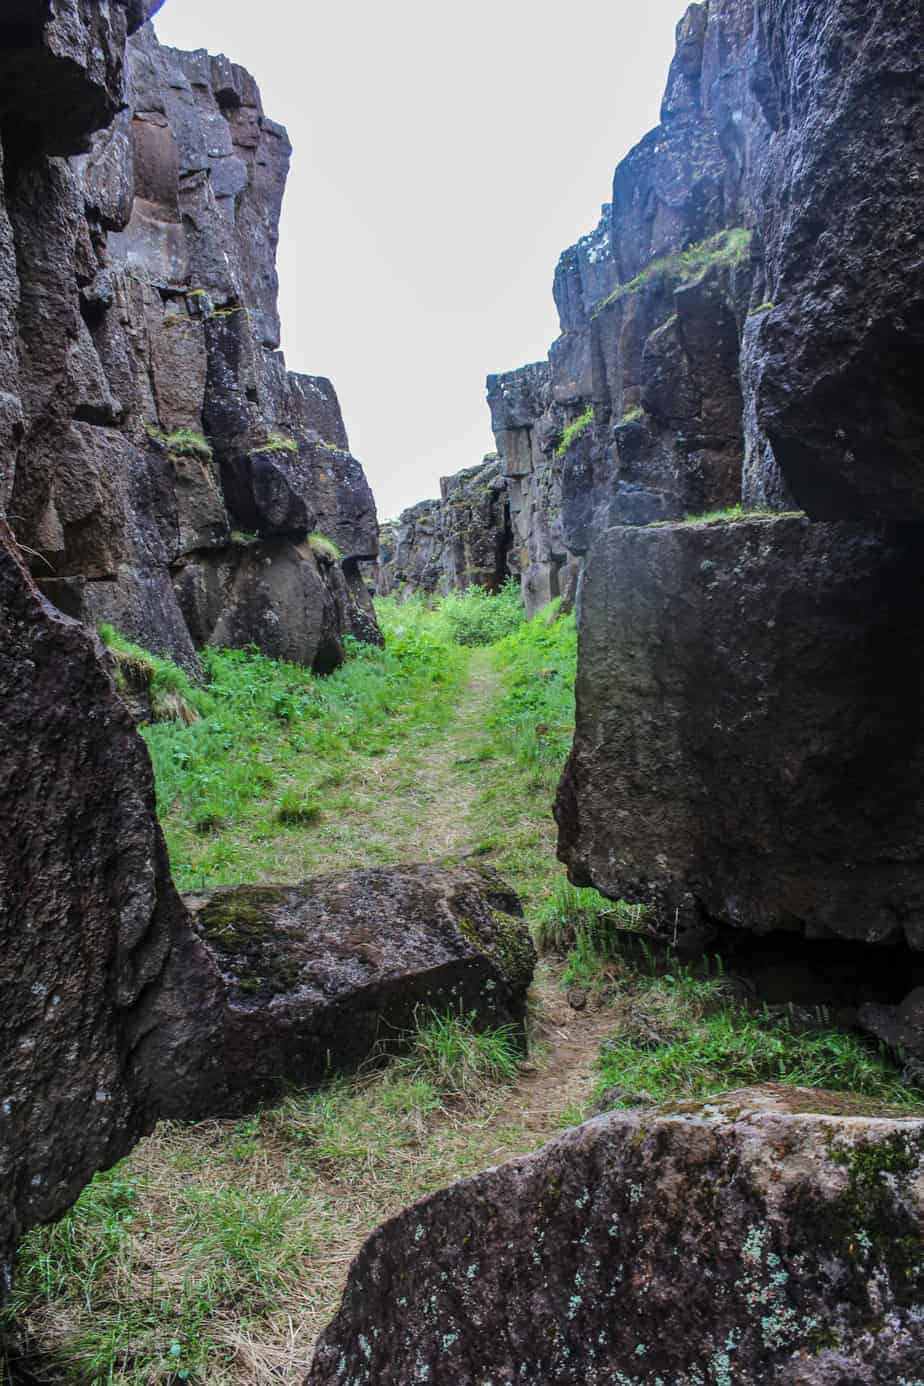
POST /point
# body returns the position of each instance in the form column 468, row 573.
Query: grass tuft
column 182, row 442
column 457, row 1060
column 574, row 430
column 276, row 442
column 324, row 548
column 298, row 810
column 730, row 247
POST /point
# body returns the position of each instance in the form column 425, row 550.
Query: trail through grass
column 217, row 1251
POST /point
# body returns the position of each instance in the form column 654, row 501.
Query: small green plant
column 574, row 430
column 182, row 442
column 277, row 442
column 766, row 307
column 456, row 1059
column 298, row 810
column 730, row 247
column 172, row 694
column 633, row 415
column 324, row 548
column 244, row 536
column 569, row 911
column 478, row 617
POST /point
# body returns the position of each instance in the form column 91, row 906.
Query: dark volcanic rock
column 109, row 1006
column 770, row 1235
column 142, row 395
column 836, row 362
column 271, row 594
column 447, row 545
column 317, row 975
column 747, row 743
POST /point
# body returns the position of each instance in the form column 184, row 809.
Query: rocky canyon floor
column 218, row 1251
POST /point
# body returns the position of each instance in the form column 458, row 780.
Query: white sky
column 445, row 155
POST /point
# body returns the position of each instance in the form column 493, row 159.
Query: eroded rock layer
column 769, row 1235
column 148, row 424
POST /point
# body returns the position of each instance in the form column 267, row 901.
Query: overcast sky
column 445, row 155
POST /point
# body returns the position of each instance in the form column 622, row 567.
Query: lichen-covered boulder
column 770, row 1235
column 318, row 975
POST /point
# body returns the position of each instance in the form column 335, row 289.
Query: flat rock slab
column 318, row 975
column 770, row 1235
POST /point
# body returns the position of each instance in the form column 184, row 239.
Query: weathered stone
column 142, row 275
column 772, row 1234
column 746, row 746
column 108, row 1004
column 836, row 358
column 270, row 594
column 318, row 975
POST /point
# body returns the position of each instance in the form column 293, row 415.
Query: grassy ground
column 217, row 1251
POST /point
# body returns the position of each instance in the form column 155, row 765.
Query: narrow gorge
column 332, row 1051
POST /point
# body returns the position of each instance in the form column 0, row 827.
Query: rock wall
column 448, row 544
column 161, row 467
column 109, row 1005
column 747, row 725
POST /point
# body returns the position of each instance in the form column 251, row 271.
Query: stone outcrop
column 834, row 361
column 449, row 544
column 319, row 975
column 772, row 1234
column 148, row 424
column 746, row 749
column 110, row 1007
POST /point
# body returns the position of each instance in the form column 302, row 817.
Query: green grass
column 277, row 442
column 455, row 1059
column 173, row 695
column 729, row 247
column 274, row 743
column 574, row 920
column 324, row 548
column 574, row 430
column 477, row 617
column 182, row 442
column 686, row 1040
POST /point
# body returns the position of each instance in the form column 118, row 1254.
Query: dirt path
column 270, row 1210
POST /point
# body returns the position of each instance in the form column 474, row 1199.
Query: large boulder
column 747, row 747
column 318, row 975
column 109, row 1005
column 770, row 1235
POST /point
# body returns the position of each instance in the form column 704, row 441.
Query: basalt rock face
column 834, row 363
column 146, row 414
column 639, row 415
column 317, row 975
column 447, row 545
column 109, row 1005
column 768, row 1235
column 747, row 748
column 746, row 754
